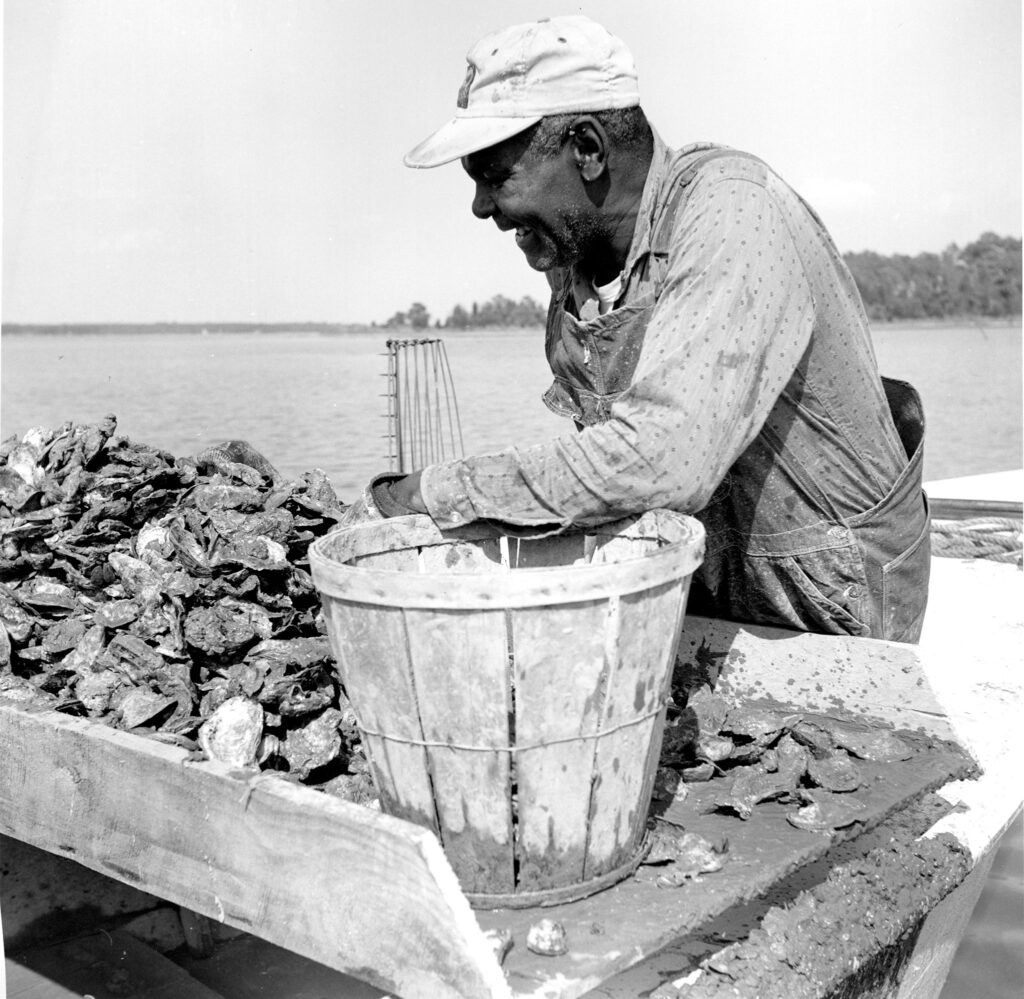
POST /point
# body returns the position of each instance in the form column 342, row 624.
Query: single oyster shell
column 826, row 811
column 699, row 774
column 877, row 745
column 709, row 708
column 232, row 734
column 751, row 785
column 714, row 748
column 314, row 744
column 140, row 705
column 835, row 773
column 754, row 722
column 791, row 756
column 668, row 785
column 547, row 938
column 694, row 856
column 95, row 688
column 357, row 788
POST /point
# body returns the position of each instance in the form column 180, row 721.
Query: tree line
column 983, row 279
column 499, row 311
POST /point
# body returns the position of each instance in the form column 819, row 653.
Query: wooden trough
column 374, row 896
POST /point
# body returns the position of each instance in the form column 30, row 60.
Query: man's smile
column 523, row 233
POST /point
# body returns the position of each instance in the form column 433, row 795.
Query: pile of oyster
column 171, row 597
column 744, row 754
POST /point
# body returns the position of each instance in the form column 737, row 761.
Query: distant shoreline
column 332, row 329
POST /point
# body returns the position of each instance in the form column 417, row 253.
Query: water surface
column 309, row 400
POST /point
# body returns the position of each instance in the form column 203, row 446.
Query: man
column 706, row 338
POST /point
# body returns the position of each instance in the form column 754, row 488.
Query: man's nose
column 483, row 203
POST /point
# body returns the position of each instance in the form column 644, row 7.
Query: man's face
column 540, row 197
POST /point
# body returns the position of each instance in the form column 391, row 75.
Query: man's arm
column 733, row 319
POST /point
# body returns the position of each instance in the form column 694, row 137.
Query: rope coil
column 994, row 538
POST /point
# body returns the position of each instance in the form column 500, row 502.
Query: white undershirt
column 595, row 300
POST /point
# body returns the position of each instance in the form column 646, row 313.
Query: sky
column 241, row 160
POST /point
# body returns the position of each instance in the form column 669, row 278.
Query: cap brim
column 462, row 136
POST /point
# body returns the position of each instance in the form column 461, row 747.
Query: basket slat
column 559, row 661
column 373, row 661
column 640, row 650
column 471, row 788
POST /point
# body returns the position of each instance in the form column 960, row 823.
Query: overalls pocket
column 821, row 591
column 904, row 580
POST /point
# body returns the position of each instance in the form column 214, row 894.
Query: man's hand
column 384, row 497
column 407, row 493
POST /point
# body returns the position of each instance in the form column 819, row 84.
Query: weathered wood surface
column 973, row 649
column 359, row 891
column 863, row 677
column 383, row 902
column 969, row 682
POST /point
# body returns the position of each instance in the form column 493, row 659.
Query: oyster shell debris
column 548, row 938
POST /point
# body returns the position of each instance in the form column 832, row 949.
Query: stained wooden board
column 359, row 891
column 831, row 674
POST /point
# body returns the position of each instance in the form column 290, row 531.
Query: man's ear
column 589, row 145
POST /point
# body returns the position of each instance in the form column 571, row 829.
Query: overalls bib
column 865, row 574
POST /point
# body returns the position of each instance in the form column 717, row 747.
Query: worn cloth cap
column 518, row 75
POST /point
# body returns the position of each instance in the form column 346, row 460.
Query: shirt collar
column 649, row 202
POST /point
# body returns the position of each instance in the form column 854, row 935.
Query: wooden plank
column 361, row 892
column 559, row 672
column 967, row 509
column 869, row 678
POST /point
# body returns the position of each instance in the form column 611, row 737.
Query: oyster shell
column 875, row 744
column 826, row 811
column 751, row 785
column 693, row 855
column 836, row 772
column 547, row 937
column 233, row 732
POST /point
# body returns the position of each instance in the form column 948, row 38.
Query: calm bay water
column 308, row 400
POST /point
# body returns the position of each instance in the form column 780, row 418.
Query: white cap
column 520, row 74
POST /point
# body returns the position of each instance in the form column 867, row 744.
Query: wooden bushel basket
column 511, row 693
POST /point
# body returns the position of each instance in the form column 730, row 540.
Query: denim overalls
column 796, row 534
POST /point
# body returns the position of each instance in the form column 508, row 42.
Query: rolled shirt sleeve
column 733, row 318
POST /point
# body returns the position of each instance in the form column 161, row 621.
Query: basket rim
column 526, row 586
